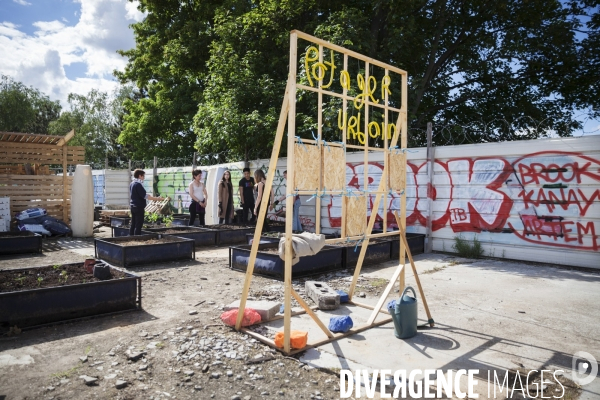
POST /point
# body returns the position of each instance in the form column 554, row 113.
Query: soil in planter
column 52, row 276
column 142, row 242
column 371, row 241
column 225, row 227
column 180, row 231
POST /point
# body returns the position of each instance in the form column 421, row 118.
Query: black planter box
column 119, row 221
column 226, row 237
column 416, row 244
column 172, row 249
column 263, row 239
column 49, row 305
column 202, row 237
column 271, row 265
column 378, row 251
column 20, row 242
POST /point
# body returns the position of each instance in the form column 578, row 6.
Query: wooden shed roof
column 17, row 137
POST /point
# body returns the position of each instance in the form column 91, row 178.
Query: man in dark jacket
column 137, row 203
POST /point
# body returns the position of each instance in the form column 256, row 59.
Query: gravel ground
column 176, row 347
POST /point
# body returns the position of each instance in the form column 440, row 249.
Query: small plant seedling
column 39, row 281
column 55, row 267
column 20, row 279
column 168, row 221
column 64, row 276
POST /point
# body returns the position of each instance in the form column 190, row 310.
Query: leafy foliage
column 466, row 249
column 25, row 109
column 214, row 73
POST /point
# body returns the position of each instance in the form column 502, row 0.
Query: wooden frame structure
column 51, row 192
column 352, row 228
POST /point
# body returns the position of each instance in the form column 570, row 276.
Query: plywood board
column 356, row 215
column 334, row 168
column 397, row 165
column 307, row 163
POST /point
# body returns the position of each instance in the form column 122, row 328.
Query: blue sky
column 64, row 46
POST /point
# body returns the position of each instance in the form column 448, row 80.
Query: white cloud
column 22, row 2
column 39, row 59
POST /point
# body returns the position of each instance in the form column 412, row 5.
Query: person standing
column 261, row 181
column 137, row 202
column 198, row 194
column 225, row 199
column 246, row 192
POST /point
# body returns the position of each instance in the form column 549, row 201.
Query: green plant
column 39, row 280
column 168, row 221
column 20, row 279
column 55, row 267
column 467, row 249
column 63, row 276
column 151, row 218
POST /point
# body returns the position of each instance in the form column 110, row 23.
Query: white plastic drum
column 82, row 202
column 215, row 174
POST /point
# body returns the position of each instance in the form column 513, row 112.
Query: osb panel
column 334, row 168
column 397, row 163
column 307, row 163
column 356, row 215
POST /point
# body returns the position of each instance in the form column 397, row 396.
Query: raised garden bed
column 20, row 242
column 26, row 301
column 416, row 244
column 229, row 234
column 202, row 237
column 378, row 251
column 144, row 249
column 268, row 263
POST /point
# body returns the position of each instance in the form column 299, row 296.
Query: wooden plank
column 351, row 332
column 289, row 201
column 343, row 50
column 258, row 230
column 414, row 268
column 385, row 294
column 66, row 138
column 344, row 133
column 403, row 144
column 310, row 312
column 64, row 165
column 356, row 212
column 345, row 97
column 307, row 161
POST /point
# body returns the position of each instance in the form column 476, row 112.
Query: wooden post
column 154, row 176
column 65, row 185
column 106, row 163
column 403, row 145
column 194, row 157
column 259, row 224
column 430, row 166
column 289, row 201
column 130, row 179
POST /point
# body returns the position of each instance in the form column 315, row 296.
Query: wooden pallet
column 157, row 207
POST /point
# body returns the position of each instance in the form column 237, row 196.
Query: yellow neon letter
column 377, row 131
column 352, row 122
column 332, row 65
column 391, row 128
column 340, row 116
column 371, row 90
column 385, row 86
column 345, row 79
column 308, row 59
column 361, row 97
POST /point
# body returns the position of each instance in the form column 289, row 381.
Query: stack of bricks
column 4, row 214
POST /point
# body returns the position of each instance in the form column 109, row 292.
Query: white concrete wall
column 535, row 200
column 116, row 188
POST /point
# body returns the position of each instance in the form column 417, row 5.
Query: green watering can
column 405, row 315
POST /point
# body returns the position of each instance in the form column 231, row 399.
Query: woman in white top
column 198, row 194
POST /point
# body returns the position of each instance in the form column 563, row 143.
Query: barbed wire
column 500, row 130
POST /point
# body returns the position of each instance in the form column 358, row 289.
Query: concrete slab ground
column 490, row 315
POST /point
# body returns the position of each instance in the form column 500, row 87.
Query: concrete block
column 266, row 309
column 323, row 295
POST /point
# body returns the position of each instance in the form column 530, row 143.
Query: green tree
column 96, row 118
column 25, row 109
column 467, row 61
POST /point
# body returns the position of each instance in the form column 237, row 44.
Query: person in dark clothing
column 137, row 203
column 225, row 199
column 246, row 191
